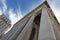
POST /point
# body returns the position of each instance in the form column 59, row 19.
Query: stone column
column 35, row 37
column 12, row 32
column 46, row 31
column 18, row 31
column 57, row 33
column 36, row 33
column 25, row 34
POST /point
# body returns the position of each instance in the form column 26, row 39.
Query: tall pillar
column 35, row 37
column 13, row 31
column 55, row 25
column 25, row 34
column 57, row 33
column 46, row 31
column 36, row 33
column 15, row 35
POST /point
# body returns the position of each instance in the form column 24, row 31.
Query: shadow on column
column 37, row 22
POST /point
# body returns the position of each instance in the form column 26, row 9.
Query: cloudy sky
column 16, row 9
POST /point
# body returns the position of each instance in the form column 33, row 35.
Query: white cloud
column 4, row 5
column 13, row 17
column 19, row 13
column 0, row 12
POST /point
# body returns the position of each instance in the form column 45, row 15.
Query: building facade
column 5, row 23
column 39, row 24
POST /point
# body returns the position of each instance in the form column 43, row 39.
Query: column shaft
column 36, row 34
column 35, row 37
column 46, row 31
column 15, row 35
column 56, row 31
column 25, row 34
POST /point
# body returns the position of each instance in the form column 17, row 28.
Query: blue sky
column 25, row 5
column 16, row 9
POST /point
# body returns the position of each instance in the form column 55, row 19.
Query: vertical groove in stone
column 25, row 34
column 46, row 31
column 15, row 35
